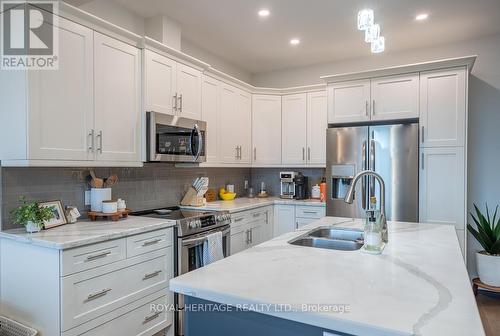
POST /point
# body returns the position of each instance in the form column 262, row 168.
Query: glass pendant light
column 366, row 19
column 372, row 33
column 378, row 45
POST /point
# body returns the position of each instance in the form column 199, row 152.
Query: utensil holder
column 97, row 195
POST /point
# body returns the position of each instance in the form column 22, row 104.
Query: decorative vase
column 488, row 268
column 32, row 227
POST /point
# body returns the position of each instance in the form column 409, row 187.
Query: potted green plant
column 487, row 233
column 31, row 215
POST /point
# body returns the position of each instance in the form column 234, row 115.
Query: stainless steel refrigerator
column 391, row 151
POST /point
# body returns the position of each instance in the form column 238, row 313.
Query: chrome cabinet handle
column 367, row 108
column 251, row 235
column 422, row 156
column 239, row 156
column 180, row 103
column 310, row 212
column 256, row 214
column 373, row 107
column 255, row 153
column 97, row 295
column 92, row 140
column 98, row 256
column 151, row 275
column 175, row 102
column 99, row 135
column 151, row 242
column 309, row 153
column 247, row 233
column 423, row 133
column 238, row 219
column 237, row 149
column 151, row 317
column 303, row 154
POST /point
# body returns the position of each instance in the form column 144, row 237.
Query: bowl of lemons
column 226, row 195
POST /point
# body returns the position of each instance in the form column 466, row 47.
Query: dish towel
column 212, row 248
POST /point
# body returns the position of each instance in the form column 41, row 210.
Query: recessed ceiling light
column 422, row 17
column 264, row 12
column 294, row 41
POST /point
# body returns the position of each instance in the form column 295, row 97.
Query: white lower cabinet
column 250, row 228
column 287, row 218
column 86, row 286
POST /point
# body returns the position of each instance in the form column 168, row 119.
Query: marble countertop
column 418, row 285
column 245, row 203
column 86, row 232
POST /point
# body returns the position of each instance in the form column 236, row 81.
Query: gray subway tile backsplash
column 154, row 185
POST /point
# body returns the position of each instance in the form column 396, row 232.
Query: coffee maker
column 301, row 187
column 287, row 180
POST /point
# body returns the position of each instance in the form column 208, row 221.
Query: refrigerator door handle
column 363, row 180
column 372, row 166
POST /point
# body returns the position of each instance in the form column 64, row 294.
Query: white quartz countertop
column 417, row 286
column 87, row 232
column 245, row 203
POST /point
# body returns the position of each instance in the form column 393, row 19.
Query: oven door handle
column 196, row 130
column 200, row 240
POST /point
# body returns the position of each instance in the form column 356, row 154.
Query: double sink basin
column 333, row 238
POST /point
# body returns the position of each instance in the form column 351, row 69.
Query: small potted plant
column 31, row 215
column 487, row 233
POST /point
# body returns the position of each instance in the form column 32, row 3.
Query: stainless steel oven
column 175, row 139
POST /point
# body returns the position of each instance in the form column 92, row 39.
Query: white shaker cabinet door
column 316, row 128
column 244, row 126
column 117, row 100
column 60, row 107
column 443, row 107
column 395, row 97
column 160, row 83
column 266, row 129
column 229, row 124
column 442, row 186
column 349, row 101
column 189, row 91
column 293, row 129
column 284, row 219
column 210, row 113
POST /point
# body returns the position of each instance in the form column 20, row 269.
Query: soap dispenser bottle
column 373, row 233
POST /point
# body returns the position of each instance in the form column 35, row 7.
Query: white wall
column 113, row 12
column 484, row 108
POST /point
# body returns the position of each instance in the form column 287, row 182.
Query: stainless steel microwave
column 175, row 139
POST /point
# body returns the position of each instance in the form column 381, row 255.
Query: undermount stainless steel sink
column 332, row 238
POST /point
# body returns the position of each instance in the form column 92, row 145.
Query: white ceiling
column 327, row 28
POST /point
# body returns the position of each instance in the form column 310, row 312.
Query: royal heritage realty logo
column 29, row 39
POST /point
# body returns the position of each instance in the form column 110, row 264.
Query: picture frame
column 59, row 217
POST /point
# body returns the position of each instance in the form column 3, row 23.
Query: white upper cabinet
column 171, row 87
column 442, row 107
column 293, row 129
column 189, row 92
column 395, row 97
column 349, row 101
column 244, row 105
column 117, row 92
column 160, row 83
column 316, row 127
column 210, row 113
column 266, row 129
column 234, row 125
column 61, row 109
column 442, row 186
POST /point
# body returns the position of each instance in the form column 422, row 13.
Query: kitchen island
column 418, row 286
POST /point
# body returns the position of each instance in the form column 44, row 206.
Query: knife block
column 191, row 198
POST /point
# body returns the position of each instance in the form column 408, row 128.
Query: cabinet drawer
column 149, row 241
column 259, row 215
column 140, row 321
column 88, row 295
column 87, row 257
column 239, row 218
column 309, row 212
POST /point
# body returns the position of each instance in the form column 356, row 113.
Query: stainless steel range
column 190, row 233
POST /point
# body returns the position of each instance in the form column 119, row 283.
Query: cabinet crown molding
column 466, row 61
